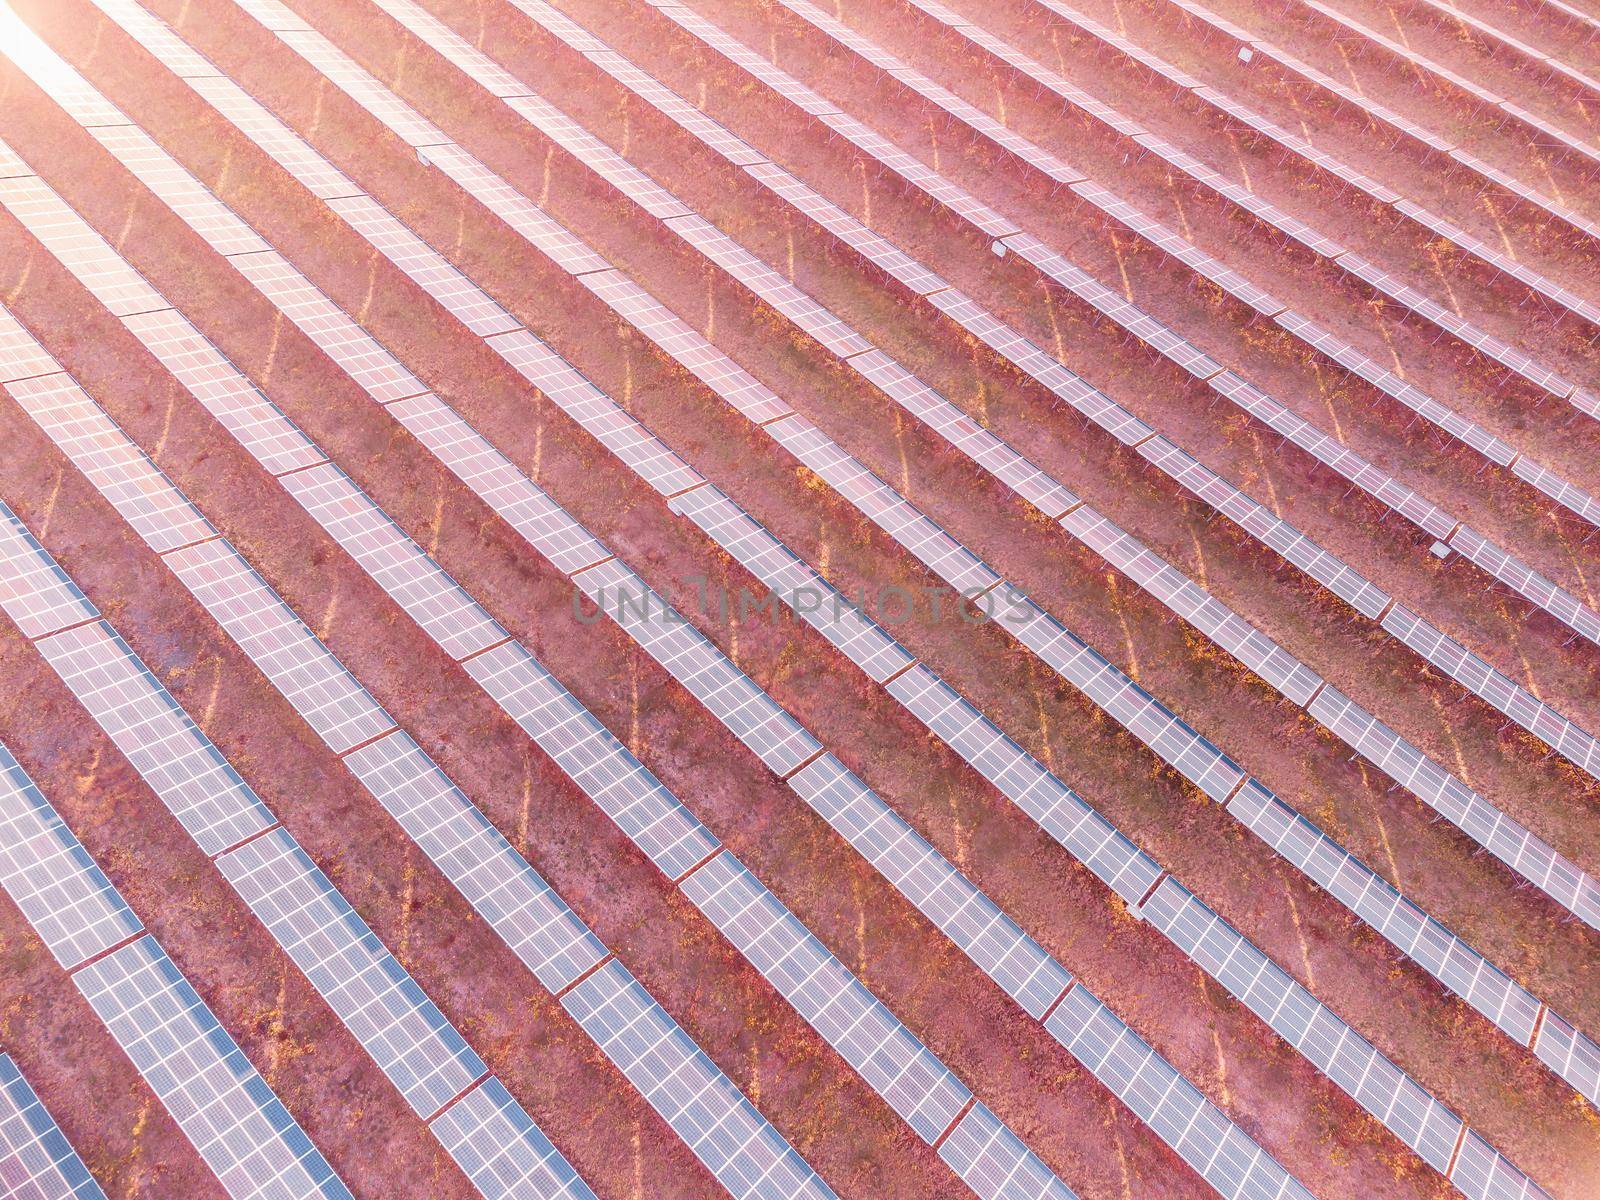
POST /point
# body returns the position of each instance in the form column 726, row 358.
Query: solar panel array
column 637, row 303
column 726, row 691
column 1271, row 531
column 1386, row 116
column 1269, row 1177
column 415, row 1045
column 420, row 1050
column 219, row 1100
column 485, row 1129
column 36, row 1160
column 1388, row 491
column 1197, row 759
column 648, row 315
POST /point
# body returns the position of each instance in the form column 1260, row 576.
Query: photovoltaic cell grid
column 920, row 1088
column 36, row 1160
column 547, row 359
column 723, row 1128
column 34, row 591
column 506, row 878
column 224, row 1106
column 1247, row 513
column 222, row 601
column 410, row 1039
column 68, row 900
column 218, row 1099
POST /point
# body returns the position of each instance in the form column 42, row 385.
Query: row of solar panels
column 1533, row 858
column 775, row 752
column 36, row 1160
column 1568, row 141
column 700, row 1103
column 1232, row 1158
column 1485, row 987
column 1299, row 146
column 887, row 1055
column 1388, row 117
column 1051, row 263
column 1205, row 265
column 1297, row 681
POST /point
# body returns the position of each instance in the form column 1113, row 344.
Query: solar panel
column 68, row 900
column 1571, row 1055
column 492, row 477
column 1508, row 697
column 965, row 434
column 36, row 593
column 502, row 1151
column 199, row 1073
column 122, row 473
column 1218, row 1150
column 81, row 250
column 1482, row 1174
column 258, row 424
column 160, row 172
column 870, row 1038
column 1441, row 953
column 496, row 880
column 730, row 695
column 939, row 891
column 285, row 147
column 831, row 331
column 1527, row 582
column 745, row 1154
column 153, row 33
column 378, row 1001
column 692, row 351
column 793, row 581
column 1305, row 1023
column 400, row 119
column 36, row 1160
column 1023, row 780
column 470, row 61
column 356, row 352
column 427, row 268
column 169, row 751
column 1508, row 841
column 339, row 709
column 21, row 357
column 522, row 216
column 601, row 416
column 591, row 756
column 1053, row 265
column 883, row 506
column 416, row 582
column 995, row 1163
